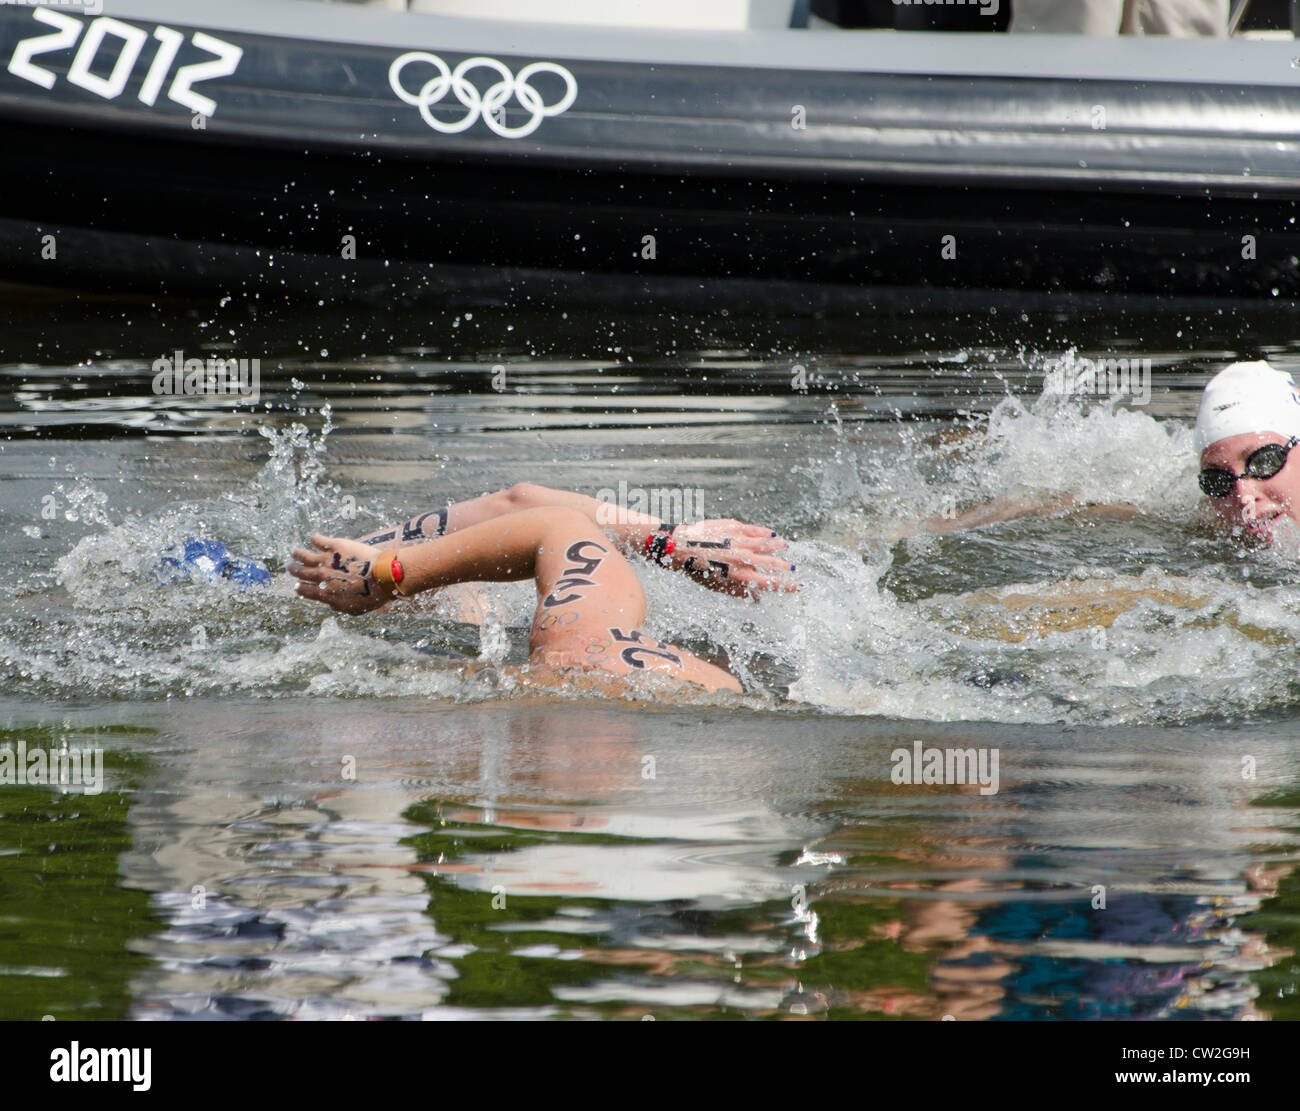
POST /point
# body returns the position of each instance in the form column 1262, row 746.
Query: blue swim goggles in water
column 209, row 561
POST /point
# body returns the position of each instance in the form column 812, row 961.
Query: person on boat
column 591, row 604
column 1208, row 18
column 1248, row 422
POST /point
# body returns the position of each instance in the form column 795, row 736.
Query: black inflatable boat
column 290, row 147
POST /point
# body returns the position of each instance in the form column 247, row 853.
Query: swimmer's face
column 1255, row 503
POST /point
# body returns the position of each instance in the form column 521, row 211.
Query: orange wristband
column 387, row 568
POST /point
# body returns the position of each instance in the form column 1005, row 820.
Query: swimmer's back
column 621, row 653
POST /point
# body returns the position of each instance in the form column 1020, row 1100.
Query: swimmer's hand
column 339, row 574
column 732, row 557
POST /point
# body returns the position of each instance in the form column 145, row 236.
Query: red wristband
column 660, row 544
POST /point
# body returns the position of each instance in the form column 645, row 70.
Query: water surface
column 307, row 815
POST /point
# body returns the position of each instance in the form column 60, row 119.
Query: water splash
column 1168, row 626
column 1074, row 611
column 115, row 632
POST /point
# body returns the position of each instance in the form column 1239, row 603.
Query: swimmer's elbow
column 523, row 495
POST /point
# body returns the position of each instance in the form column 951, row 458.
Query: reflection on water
column 69, row 923
column 515, row 860
column 499, row 854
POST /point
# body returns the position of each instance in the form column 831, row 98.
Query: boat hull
column 314, row 174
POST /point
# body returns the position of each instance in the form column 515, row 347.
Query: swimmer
column 1247, row 424
column 1246, row 427
column 1249, row 421
column 590, row 603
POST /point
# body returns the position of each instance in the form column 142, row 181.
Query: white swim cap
column 1247, row 397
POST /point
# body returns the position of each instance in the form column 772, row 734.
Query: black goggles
column 1264, row 462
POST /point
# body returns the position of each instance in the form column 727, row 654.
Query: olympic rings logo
column 488, row 106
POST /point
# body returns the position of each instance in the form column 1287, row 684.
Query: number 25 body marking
column 575, row 574
column 132, row 41
column 629, row 655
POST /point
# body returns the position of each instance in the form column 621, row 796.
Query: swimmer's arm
column 341, row 573
column 725, row 555
column 1003, row 509
column 628, row 527
column 1000, row 509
